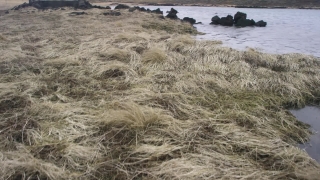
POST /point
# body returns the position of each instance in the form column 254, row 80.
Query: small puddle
column 311, row 116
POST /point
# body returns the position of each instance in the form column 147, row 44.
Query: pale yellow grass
column 134, row 97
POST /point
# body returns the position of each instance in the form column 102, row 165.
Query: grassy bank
column 135, row 97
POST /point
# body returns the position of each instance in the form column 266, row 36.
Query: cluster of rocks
column 239, row 20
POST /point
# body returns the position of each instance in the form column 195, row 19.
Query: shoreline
column 209, row 5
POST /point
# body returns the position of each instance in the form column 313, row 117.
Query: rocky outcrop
column 157, row 11
column 190, row 20
column 238, row 16
column 261, row 23
column 215, row 20
column 239, row 20
column 226, row 21
column 242, row 22
column 172, row 14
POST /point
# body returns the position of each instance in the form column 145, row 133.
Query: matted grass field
column 135, row 97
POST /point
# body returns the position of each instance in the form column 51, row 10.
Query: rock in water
column 261, row 23
column 190, row 20
column 226, row 21
column 238, row 16
column 172, row 14
column 245, row 22
column 215, row 20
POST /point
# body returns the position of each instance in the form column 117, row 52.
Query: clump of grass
column 154, row 55
column 126, row 37
column 116, row 54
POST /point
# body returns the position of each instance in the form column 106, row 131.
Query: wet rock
column 238, row 16
column 122, row 6
column 226, row 21
column 6, row 12
column 172, row 14
column 77, row 13
column 62, row 9
column 108, row 7
column 261, row 23
column 215, row 20
column 190, row 20
column 242, row 22
column 112, row 13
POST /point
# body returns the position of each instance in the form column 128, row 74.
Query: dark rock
column 122, row 6
column 100, row 7
column 245, row 22
column 238, row 16
column 190, row 20
column 226, row 21
column 198, row 23
column 112, row 13
column 63, row 9
column 172, row 14
column 108, row 7
column 6, row 12
column 157, row 11
column 261, row 23
column 77, row 13
column 215, row 20
column 141, row 8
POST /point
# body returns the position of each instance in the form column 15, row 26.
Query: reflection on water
column 288, row 30
column 311, row 115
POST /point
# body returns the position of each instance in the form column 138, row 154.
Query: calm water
column 311, row 115
column 288, row 30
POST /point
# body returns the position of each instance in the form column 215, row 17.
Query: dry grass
column 98, row 97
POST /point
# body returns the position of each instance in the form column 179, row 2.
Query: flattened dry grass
column 81, row 99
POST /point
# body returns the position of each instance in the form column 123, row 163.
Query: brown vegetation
column 135, row 97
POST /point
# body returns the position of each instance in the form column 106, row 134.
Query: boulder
column 157, row 11
column 172, row 14
column 190, row 20
column 122, row 6
column 245, row 22
column 238, row 16
column 6, row 12
column 226, row 21
column 215, row 20
column 261, row 23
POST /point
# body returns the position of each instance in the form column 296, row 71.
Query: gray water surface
column 311, row 116
column 288, row 30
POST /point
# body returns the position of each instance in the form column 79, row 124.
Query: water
column 288, row 30
column 311, row 116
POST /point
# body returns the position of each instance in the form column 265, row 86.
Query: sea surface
column 287, row 31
